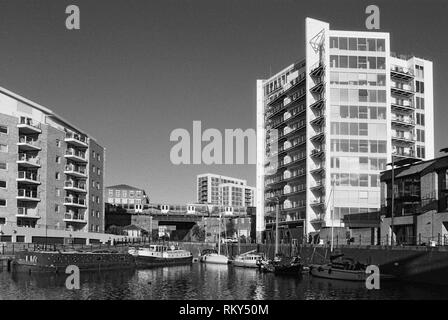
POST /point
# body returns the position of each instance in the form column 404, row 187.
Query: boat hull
column 327, row 272
column 245, row 264
column 57, row 262
column 215, row 258
column 150, row 262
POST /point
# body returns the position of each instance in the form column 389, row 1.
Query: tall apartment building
column 51, row 172
column 226, row 191
column 328, row 124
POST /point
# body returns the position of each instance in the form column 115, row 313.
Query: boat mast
column 219, row 211
column 276, row 224
column 332, row 214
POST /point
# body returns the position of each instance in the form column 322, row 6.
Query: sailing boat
column 339, row 267
column 281, row 264
column 211, row 256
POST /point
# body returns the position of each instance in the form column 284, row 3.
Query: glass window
column 334, row 128
column 333, row 42
column 344, row 128
column 373, row 180
column 334, row 77
column 353, row 129
column 354, row 145
column 3, row 147
column 371, row 45
column 382, row 146
column 352, row 44
column 381, row 80
column 381, row 113
column 381, row 96
column 362, row 112
column 345, row 177
column 381, row 63
column 334, row 61
column 363, row 131
column 354, row 112
column 353, row 62
column 343, row 62
column 363, row 146
column 373, row 112
column 354, row 179
column 344, row 95
column 363, row 163
column 372, row 95
column 362, row 79
column 371, row 62
column 362, row 95
column 344, row 145
column 362, row 44
column 363, row 180
column 3, row 129
column 343, row 78
column 362, row 62
column 344, row 111
column 343, row 43
column 380, row 45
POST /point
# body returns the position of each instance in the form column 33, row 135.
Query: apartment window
column 2, row 184
column 56, row 208
column 58, row 143
column 97, row 214
column 58, row 159
column 420, row 87
column 58, row 176
column 3, row 148
column 111, row 193
column 117, row 193
column 124, row 194
column 99, row 171
column 98, row 157
column 131, row 194
column 97, row 228
column 419, row 71
column 58, row 192
column 97, row 199
column 98, row 185
column 421, row 119
column 92, row 213
column 3, row 166
column 93, row 184
column 94, row 169
column 93, row 154
column 3, row 129
column 2, row 203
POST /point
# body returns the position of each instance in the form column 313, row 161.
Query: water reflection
column 202, row 281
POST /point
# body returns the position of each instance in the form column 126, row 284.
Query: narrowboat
column 58, row 261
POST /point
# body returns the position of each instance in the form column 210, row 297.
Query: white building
column 336, row 118
column 226, row 191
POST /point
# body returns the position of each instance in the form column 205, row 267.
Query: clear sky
column 138, row 69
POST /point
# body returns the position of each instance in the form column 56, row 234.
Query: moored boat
column 283, row 265
column 213, row 256
column 58, row 261
column 340, row 268
column 160, row 255
column 248, row 260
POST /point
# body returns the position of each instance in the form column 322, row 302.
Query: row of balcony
column 28, row 143
column 401, row 73
column 404, row 90
column 28, row 126
column 27, row 195
column 28, row 177
column 75, row 155
column 76, row 139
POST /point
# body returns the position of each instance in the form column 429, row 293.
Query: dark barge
column 58, row 261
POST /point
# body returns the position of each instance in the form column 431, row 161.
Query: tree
column 198, row 233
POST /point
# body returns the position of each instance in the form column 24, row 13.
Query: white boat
column 214, row 258
column 248, row 260
column 160, row 255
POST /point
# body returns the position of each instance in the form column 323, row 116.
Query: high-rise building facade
column 327, row 126
column 226, row 191
column 51, row 172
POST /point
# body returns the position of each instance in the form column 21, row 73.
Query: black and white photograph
column 210, row 151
